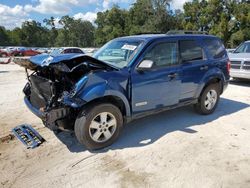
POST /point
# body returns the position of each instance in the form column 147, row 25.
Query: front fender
column 102, row 90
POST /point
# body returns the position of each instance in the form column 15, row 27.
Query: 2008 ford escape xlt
column 128, row 78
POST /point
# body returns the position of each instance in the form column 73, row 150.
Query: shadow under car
column 147, row 130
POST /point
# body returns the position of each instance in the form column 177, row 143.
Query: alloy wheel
column 211, row 99
column 102, row 127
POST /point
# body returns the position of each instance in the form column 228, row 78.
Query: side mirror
column 145, row 65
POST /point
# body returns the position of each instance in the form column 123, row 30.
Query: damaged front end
column 53, row 83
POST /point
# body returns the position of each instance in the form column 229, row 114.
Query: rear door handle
column 204, row 67
column 172, row 75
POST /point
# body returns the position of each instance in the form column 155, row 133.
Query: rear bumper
column 225, row 85
column 240, row 74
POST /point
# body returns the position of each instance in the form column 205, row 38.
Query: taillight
column 228, row 66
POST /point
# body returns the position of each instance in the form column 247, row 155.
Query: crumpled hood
column 46, row 59
column 239, row 55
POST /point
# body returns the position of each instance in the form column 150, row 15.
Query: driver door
column 158, row 86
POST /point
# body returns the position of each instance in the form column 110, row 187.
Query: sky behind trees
column 227, row 19
column 14, row 12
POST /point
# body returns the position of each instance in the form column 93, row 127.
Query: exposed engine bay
column 50, row 82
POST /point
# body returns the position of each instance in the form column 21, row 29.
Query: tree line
column 227, row 19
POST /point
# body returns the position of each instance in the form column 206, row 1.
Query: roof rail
column 148, row 33
column 176, row 32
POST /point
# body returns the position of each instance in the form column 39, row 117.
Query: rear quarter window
column 215, row 48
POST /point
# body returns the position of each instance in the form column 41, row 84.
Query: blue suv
column 128, row 78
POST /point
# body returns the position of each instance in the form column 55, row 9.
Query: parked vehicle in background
column 23, row 51
column 5, row 60
column 43, row 50
column 231, row 50
column 240, row 61
column 66, row 50
column 89, row 51
column 17, row 51
column 128, row 78
column 6, row 52
column 3, row 53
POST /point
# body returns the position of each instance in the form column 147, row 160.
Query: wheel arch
column 117, row 101
column 209, row 81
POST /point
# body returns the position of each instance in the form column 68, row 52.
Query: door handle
column 205, row 67
column 172, row 75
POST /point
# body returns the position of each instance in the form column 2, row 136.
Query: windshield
column 243, row 48
column 56, row 52
column 118, row 53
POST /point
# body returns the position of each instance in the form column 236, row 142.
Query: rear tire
column 99, row 126
column 208, row 100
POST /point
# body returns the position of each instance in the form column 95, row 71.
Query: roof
column 156, row 36
column 68, row 48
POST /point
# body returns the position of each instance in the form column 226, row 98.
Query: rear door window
column 215, row 48
column 190, row 51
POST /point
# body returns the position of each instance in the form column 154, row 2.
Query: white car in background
column 230, row 50
column 240, row 61
column 89, row 51
column 66, row 50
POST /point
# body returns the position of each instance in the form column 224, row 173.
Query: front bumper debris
column 28, row 136
column 49, row 117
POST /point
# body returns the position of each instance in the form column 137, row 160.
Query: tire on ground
column 83, row 122
column 200, row 106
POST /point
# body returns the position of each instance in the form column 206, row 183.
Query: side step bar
column 28, row 136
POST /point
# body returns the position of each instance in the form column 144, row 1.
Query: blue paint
column 149, row 90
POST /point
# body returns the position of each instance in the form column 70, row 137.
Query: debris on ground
column 28, row 136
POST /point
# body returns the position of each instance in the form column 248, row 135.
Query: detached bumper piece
column 28, row 136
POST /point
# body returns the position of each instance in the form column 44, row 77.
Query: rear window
column 190, row 51
column 215, row 48
column 76, row 51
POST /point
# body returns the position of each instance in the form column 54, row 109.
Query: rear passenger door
column 194, row 66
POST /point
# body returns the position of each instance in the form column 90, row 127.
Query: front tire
column 99, row 126
column 208, row 100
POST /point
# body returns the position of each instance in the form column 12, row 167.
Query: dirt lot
column 174, row 149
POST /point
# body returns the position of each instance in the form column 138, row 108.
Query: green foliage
column 75, row 33
column 33, row 34
column 52, row 35
column 145, row 16
column 110, row 24
column 227, row 19
column 4, row 38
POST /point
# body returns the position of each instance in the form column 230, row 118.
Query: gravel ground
column 177, row 148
